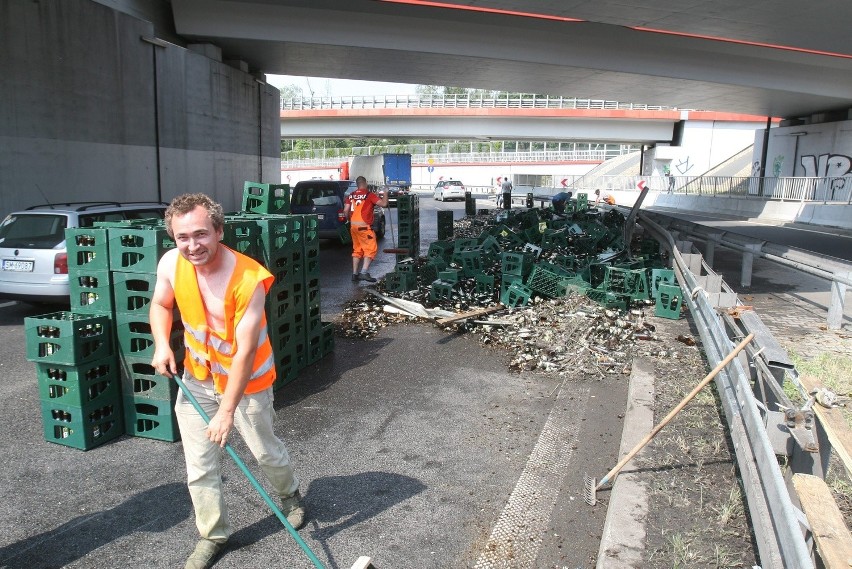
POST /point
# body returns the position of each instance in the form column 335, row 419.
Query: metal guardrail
column 800, row 189
column 469, row 158
column 837, row 271
column 459, row 101
column 775, row 519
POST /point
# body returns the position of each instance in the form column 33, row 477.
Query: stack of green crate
column 134, row 250
column 77, row 377
column 408, row 222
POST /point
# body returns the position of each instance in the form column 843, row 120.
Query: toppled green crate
column 516, row 263
column 484, row 284
column 516, row 295
column 609, row 299
column 400, row 282
column 668, row 301
column 548, row 280
column 633, row 283
column 442, row 291
column 661, row 276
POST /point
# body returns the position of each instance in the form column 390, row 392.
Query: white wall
column 705, row 145
column 808, row 150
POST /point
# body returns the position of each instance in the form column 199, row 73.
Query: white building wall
column 808, row 150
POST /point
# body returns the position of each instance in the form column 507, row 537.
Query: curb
column 623, row 537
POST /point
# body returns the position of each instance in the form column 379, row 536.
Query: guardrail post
column 748, row 262
column 836, row 302
column 710, row 248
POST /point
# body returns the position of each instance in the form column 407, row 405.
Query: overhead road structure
column 490, row 119
column 764, row 58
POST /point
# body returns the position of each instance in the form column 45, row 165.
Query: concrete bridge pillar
column 836, row 303
column 748, row 262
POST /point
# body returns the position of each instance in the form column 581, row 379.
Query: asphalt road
column 417, row 448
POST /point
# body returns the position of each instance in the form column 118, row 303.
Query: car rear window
column 314, row 194
column 33, row 231
column 454, row 183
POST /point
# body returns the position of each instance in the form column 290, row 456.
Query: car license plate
column 320, row 216
column 18, row 266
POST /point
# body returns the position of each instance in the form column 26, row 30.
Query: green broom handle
column 263, row 494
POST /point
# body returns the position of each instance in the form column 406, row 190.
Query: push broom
column 590, row 488
column 363, row 562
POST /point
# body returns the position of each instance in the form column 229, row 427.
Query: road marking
column 10, row 303
column 516, row 537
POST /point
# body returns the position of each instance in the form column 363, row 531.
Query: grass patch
column 831, row 371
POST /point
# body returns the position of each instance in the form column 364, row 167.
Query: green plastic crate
column 445, row 224
column 517, row 294
column 442, row 291
column 81, row 428
column 661, row 276
column 150, row 419
column 668, row 301
column 513, row 263
column 87, row 248
column 134, row 338
column 266, row 198
column 91, row 292
column 400, row 282
column 68, row 338
column 81, row 385
column 137, row 249
column 140, row 380
column 132, row 292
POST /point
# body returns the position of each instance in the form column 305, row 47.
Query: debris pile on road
column 569, row 293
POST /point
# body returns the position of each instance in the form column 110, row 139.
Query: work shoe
column 204, row 554
column 293, row 510
column 355, row 277
column 367, row 277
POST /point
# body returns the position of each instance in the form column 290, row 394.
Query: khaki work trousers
column 253, row 420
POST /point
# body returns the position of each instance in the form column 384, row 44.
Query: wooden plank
column 834, row 424
column 470, row 314
column 833, row 540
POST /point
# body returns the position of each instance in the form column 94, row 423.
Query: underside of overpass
column 767, row 57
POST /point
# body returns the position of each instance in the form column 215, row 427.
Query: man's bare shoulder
column 167, row 264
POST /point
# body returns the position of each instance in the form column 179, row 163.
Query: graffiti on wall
column 826, row 165
column 684, row 166
column 832, row 166
column 777, row 165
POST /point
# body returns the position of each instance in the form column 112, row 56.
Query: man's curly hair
column 185, row 203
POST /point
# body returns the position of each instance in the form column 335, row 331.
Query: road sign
column 564, row 182
column 430, row 169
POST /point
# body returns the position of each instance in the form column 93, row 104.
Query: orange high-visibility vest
column 210, row 352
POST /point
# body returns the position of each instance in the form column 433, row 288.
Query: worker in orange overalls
column 359, row 211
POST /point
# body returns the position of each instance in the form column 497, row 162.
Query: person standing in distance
column 359, row 211
column 506, row 190
column 229, row 364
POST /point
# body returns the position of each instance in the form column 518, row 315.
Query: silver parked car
column 33, row 258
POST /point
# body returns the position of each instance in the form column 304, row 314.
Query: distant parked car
column 449, row 190
column 33, row 257
column 394, row 192
column 325, row 198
